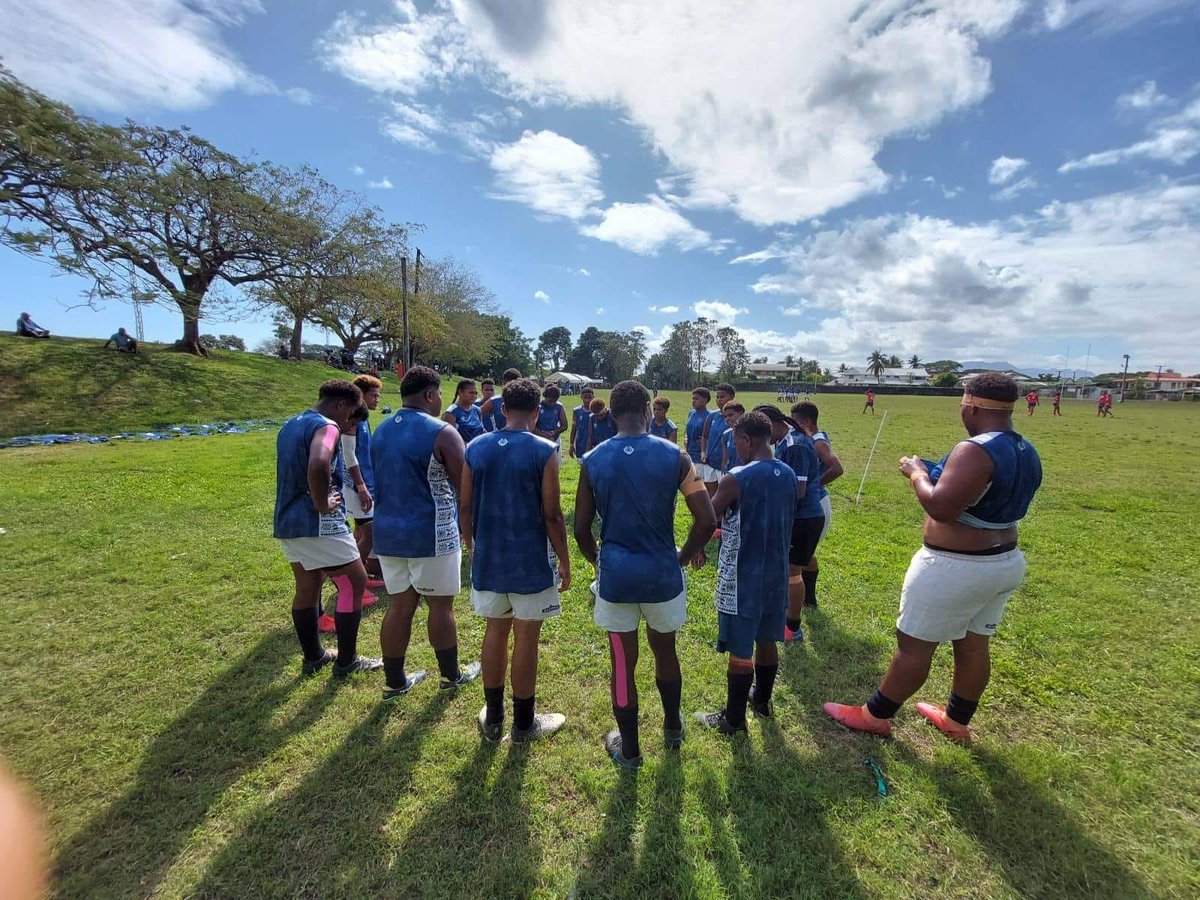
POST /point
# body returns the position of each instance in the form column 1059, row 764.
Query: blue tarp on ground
column 162, row 434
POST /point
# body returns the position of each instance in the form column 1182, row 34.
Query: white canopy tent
column 577, row 381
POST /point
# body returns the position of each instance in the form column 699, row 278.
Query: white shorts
column 527, row 607
column 945, row 595
column 708, row 474
column 827, row 509
column 664, row 618
column 432, row 576
column 314, row 553
column 353, row 507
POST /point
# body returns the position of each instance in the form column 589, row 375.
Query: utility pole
column 404, row 311
column 1124, row 374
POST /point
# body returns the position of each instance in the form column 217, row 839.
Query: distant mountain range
column 1000, row 365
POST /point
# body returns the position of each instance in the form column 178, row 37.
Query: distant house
column 1171, row 385
column 889, row 376
column 1022, row 380
column 775, row 370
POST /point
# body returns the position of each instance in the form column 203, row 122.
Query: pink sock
column 345, row 600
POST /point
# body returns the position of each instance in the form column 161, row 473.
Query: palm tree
column 894, row 362
column 915, row 362
column 843, row 369
column 876, row 363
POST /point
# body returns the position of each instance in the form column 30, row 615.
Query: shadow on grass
column 329, row 835
column 227, row 732
column 612, row 853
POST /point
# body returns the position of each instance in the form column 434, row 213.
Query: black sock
column 305, row 623
column 810, row 587
column 494, row 698
column 393, row 672
column 627, row 722
column 739, row 692
column 347, row 635
column 448, row 662
column 961, row 709
column 793, row 624
column 523, row 712
column 669, row 692
column 764, row 683
column 881, row 707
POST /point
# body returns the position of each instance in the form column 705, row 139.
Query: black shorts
column 806, row 533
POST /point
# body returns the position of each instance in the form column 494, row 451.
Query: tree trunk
column 297, row 329
column 195, row 288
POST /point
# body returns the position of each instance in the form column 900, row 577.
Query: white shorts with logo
column 313, row 553
column 945, row 595
column 827, row 509
column 664, row 617
column 708, row 474
column 432, row 576
column 353, row 507
column 526, row 607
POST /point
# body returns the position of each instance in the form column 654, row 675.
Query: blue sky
column 998, row 179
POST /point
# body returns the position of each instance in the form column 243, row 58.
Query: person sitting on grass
column 958, row 583
column 26, row 327
column 125, row 343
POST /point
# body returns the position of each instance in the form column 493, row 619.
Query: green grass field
column 152, row 699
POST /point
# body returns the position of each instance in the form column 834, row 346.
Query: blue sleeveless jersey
column 508, row 524
column 1016, row 477
column 716, row 432
column 821, row 467
column 756, row 535
column 602, row 429
column 664, row 430
column 548, row 417
column 416, row 510
column 798, row 451
column 499, row 419
column 635, row 480
column 362, row 456
column 489, row 423
column 730, row 448
column 695, row 432
column 468, row 422
column 579, row 418
column 295, row 515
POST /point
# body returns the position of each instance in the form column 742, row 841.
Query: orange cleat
column 326, row 624
column 856, row 718
column 369, row 599
column 956, row 731
column 373, row 582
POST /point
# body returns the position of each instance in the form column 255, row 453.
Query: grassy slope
column 157, row 712
column 70, row 384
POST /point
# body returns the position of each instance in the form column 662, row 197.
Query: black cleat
column 358, row 664
column 612, row 745
column 492, row 732
column 313, row 666
column 465, row 676
column 673, row 737
column 718, row 722
column 411, row 680
column 760, row 710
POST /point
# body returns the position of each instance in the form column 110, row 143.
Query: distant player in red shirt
column 1057, row 403
column 870, row 404
column 1032, row 399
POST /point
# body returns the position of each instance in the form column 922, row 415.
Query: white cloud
column 116, row 54
column 758, row 256
column 1017, row 187
column 643, row 329
column 358, row 170
column 1173, row 139
column 665, row 310
column 600, row 310
column 1104, row 15
column 646, row 228
column 584, row 272
column 775, row 109
column 383, row 184
column 1004, row 168
column 403, row 133
column 549, row 173
column 1144, row 96
column 1126, row 264
column 718, row 311
column 541, row 295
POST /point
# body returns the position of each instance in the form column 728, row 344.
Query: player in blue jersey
column 510, row 507
column 580, row 416
column 493, row 409
column 602, row 424
column 630, row 481
column 356, row 460
column 310, row 523
column 711, row 444
column 551, row 419
column 463, row 414
column 418, row 462
column 796, row 449
column 487, row 389
column 660, row 425
column 959, row 582
column 806, row 415
column 694, row 429
column 731, row 412
column 756, row 502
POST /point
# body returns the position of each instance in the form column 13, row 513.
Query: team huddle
column 485, row 477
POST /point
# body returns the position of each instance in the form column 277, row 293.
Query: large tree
column 734, row 357
column 106, row 201
column 673, row 363
column 876, row 363
column 585, row 358
column 555, row 344
column 511, row 348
